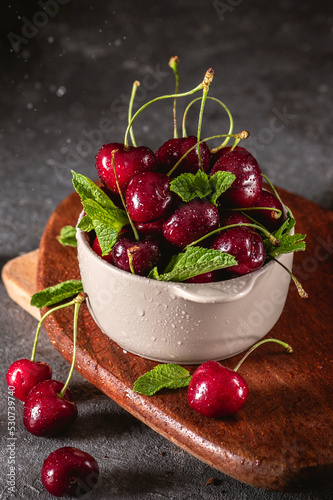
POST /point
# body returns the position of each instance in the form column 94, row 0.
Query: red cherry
column 146, row 254
column 190, row 222
column 97, row 249
column 45, row 412
column 148, row 197
column 245, row 245
column 246, row 188
column 216, row 391
column 24, row 374
column 69, row 472
column 129, row 161
column 171, row 151
column 268, row 217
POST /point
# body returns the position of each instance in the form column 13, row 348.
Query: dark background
column 66, row 76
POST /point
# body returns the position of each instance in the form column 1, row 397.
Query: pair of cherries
column 166, row 224
column 50, row 408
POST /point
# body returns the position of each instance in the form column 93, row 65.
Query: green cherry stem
column 130, row 255
column 136, row 84
column 302, row 293
column 173, row 63
column 56, row 308
column 226, row 109
column 135, row 232
column 170, row 96
column 287, row 347
column 276, row 211
column 77, row 303
column 272, row 188
column 207, row 81
column 275, row 242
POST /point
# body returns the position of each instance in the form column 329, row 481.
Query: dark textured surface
column 273, row 69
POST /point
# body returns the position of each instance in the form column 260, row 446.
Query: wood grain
column 282, row 438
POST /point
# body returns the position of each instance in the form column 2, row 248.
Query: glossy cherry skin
column 246, row 188
column 171, row 151
column 128, row 163
column 190, row 222
column 245, row 245
column 70, row 472
column 148, row 197
column 228, row 217
column 97, row 249
column 266, row 217
column 216, row 156
column 45, row 412
column 24, row 374
column 146, row 254
column 154, row 228
column 216, row 391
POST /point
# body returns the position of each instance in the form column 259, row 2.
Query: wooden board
column 282, row 438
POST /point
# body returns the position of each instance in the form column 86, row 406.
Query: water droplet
column 153, row 339
column 180, row 342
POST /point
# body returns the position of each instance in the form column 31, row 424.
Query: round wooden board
column 282, row 438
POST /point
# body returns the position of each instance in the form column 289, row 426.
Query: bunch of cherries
column 50, row 408
column 162, row 224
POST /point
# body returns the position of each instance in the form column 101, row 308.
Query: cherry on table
column 69, row 471
column 45, row 412
column 24, row 374
column 129, row 161
column 245, row 245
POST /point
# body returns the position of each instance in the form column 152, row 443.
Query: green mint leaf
column 220, row 182
column 86, row 188
column 288, row 243
column 192, row 262
column 190, row 186
column 67, row 236
column 168, row 376
column 56, row 293
column 86, row 224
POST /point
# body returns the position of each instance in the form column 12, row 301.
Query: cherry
column 245, row 245
column 138, row 257
column 190, row 222
column 69, row 471
column 246, row 188
column 271, row 219
column 228, row 217
column 46, row 412
column 171, row 151
column 217, row 391
column 216, row 155
column 129, row 161
column 148, row 197
column 154, row 228
column 24, row 374
column 208, row 277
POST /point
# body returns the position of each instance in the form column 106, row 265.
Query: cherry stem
column 303, row 294
column 135, row 232
column 56, row 308
column 287, row 347
column 242, row 134
column 136, row 84
column 130, row 255
column 77, row 303
column 173, row 63
column 275, row 242
column 171, row 96
column 272, row 188
column 277, row 211
column 226, row 109
column 207, row 81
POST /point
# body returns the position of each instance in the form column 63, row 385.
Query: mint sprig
column 192, row 262
column 164, row 376
column 56, row 293
column 201, row 185
column 288, row 242
column 67, row 236
column 101, row 214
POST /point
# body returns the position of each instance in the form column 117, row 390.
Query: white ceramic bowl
column 183, row 323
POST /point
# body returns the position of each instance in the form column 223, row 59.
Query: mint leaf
column 67, row 236
column 192, row 262
column 101, row 214
column 288, row 242
column 56, row 293
column 167, row 376
column 220, row 182
column 189, row 186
